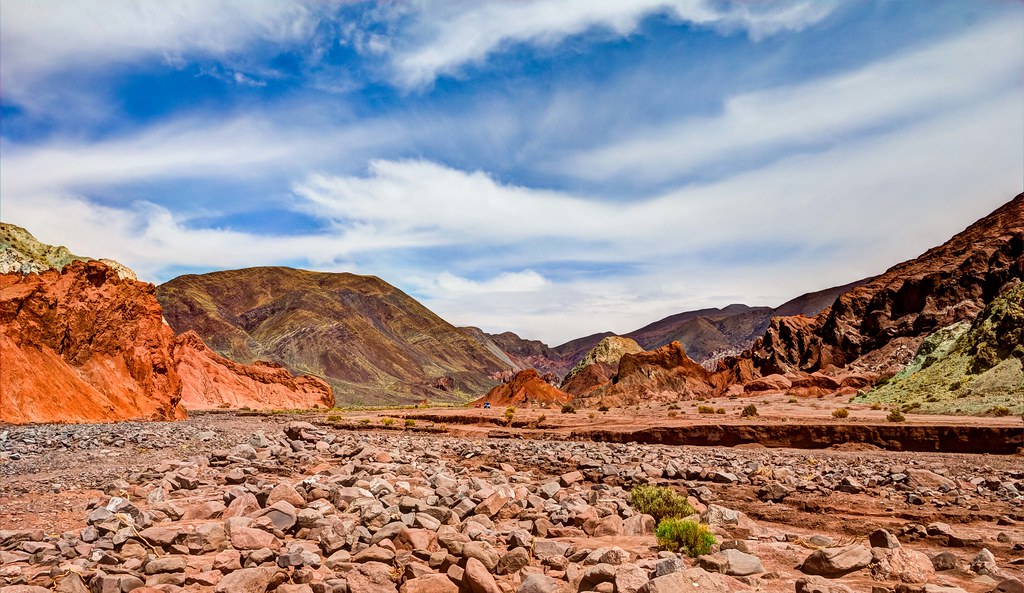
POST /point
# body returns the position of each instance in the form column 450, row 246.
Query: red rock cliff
column 83, row 345
column 211, row 381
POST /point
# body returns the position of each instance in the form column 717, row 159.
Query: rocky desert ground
column 378, row 501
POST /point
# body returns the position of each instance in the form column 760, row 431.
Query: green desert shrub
column 720, row 411
column 409, row 422
column 693, row 538
column 749, row 411
column 876, row 406
column 705, row 410
column 840, row 413
column 510, row 415
column 568, row 409
column 602, row 409
column 387, row 421
column 895, row 416
column 660, row 502
column 1000, row 411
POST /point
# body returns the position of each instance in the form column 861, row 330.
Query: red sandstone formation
column 211, row 381
column 83, row 345
column 527, row 388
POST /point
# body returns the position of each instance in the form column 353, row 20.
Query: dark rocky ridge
column 878, row 326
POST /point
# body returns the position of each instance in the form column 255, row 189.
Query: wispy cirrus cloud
column 819, row 112
column 43, row 37
column 438, row 38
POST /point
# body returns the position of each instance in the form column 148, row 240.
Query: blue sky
column 552, row 168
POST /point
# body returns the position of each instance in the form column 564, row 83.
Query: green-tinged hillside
column 969, row 367
column 22, row 253
column 370, row 341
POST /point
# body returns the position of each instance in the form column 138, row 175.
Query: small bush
column 603, row 409
column 1000, row 411
column 568, row 409
column 840, row 413
column 720, row 411
column 911, row 406
column 876, row 406
column 673, row 407
column 673, row 414
column 793, row 400
column 541, row 419
column 749, row 411
column 895, row 416
column 510, row 415
column 592, row 415
column 364, row 421
column 387, row 421
column 660, row 502
column 334, row 418
column 692, row 538
column 705, row 410
column 409, row 422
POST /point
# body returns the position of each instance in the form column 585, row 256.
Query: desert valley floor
column 409, row 499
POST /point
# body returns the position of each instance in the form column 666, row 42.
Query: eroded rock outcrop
column 211, row 381
column 665, row 373
column 84, row 345
column 82, row 340
column 599, row 365
column 526, row 388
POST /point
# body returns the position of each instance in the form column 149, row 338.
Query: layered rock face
column 370, row 341
column 84, row 345
column 526, row 388
column 877, row 327
column 210, row 381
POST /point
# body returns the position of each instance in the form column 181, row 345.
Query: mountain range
column 707, row 335
column 279, row 337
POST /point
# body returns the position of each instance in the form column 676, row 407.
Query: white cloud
column 505, row 282
column 41, row 39
column 443, row 36
column 965, row 69
column 245, row 146
column 800, row 224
